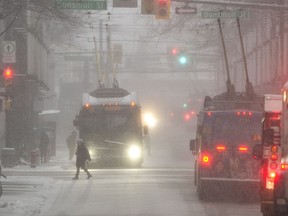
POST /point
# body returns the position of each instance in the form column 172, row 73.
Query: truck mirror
column 257, row 151
column 268, row 136
column 193, row 146
column 145, row 130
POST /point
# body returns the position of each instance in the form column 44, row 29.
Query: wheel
column 201, row 191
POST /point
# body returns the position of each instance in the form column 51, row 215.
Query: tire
column 269, row 214
column 201, row 191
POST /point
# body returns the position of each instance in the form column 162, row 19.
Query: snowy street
column 163, row 186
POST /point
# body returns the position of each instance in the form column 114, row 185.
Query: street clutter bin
column 34, row 157
column 8, row 157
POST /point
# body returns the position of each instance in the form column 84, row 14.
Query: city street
column 163, row 186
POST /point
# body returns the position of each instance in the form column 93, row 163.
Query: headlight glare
column 134, row 152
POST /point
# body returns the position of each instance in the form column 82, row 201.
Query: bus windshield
column 105, row 122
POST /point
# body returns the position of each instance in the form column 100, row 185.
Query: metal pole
column 230, row 87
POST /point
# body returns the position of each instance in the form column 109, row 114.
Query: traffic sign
column 185, row 10
column 81, row 5
column 125, row 3
column 9, row 51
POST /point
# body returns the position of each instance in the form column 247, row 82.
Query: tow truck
column 269, row 151
column 273, row 154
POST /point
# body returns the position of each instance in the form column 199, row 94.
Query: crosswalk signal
column 162, row 9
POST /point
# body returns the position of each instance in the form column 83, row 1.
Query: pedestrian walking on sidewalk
column 82, row 155
column 44, row 147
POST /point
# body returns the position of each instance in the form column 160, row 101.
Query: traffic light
column 8, row 75
column 147, row 7
column 162, row 9
column 182, row 59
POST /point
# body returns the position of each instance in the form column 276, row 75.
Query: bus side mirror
column 257, row 151
column 145, row 130
column 76, row 121
column 193, row 146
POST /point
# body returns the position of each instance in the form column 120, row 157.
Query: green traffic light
column 183, row 59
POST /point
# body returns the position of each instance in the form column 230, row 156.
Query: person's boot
column 89, row 176
column 75, row 178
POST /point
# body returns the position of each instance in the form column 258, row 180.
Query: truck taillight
column 221, row 148
column 272, row 175
column 243, row 113
column 274, row 157
column 243, row 148
column 284, row 166
column 205, row 159
column 273, row 165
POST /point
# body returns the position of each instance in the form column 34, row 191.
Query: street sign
column 225, row 14
column 185, row 10
column 125, row 3
column 9, row 51
column 81, row 5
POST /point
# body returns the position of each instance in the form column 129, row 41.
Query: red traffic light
column 162, row 9
column 175, row 51
column 8, row 73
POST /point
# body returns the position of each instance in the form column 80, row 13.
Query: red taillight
column 273, row 165
column 274, row 157
column 284, row 166
column 205, row 159
column 220, row 148
column 272, row 174
column 274, row 149
column 209, row 113
column 244, row 113
column 243, row 149
column 187, row 117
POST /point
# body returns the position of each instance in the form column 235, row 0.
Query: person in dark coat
column 44, row 146
column 82, row 155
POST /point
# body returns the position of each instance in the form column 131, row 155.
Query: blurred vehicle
column 269, row 152
column 223, row 150
column 110, row 124
column 228, row 128
column 186, row 114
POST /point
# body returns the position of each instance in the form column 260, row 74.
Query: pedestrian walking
column 82, row 156
column 71, row 144
column 44, row 146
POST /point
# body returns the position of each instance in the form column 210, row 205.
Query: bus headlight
column 92, row 152
column 134, row 152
